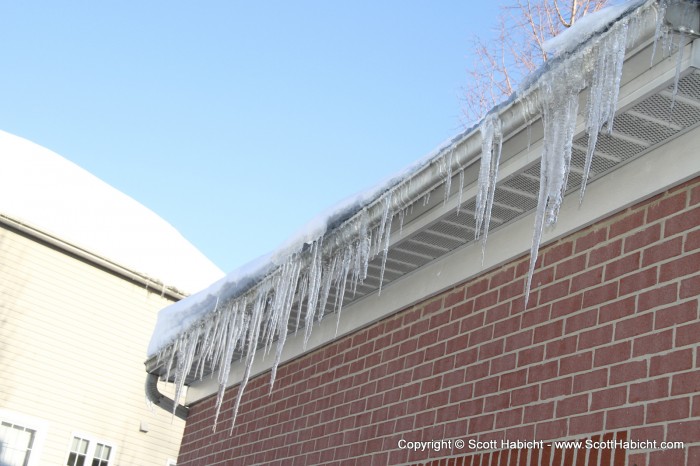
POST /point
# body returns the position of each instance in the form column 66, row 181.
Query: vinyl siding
column 73, row 339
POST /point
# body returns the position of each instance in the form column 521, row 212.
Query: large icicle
column 491, row 133
column 559, row 90
column 604, row 89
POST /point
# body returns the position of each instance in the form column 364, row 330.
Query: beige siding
column 73, row 339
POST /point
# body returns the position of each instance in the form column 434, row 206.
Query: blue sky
column 238, row 121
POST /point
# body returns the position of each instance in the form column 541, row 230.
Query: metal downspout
column 157, row 398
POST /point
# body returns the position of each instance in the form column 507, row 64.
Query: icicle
column 660, row 28
column 461, row 190
column 559, row 91
column 448, row 176
column 385, row 235
column 315, row 275
column 252, row 341
column 677, row 77
column 604, row 90
column 488, row 173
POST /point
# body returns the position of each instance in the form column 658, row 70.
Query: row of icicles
column 268, row 311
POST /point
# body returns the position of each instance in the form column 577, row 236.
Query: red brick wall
column 607, row 347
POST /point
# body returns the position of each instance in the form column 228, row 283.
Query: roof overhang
column 651, row 147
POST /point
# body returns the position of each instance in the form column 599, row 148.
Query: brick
column 556, row 388
column 617, row 310
column 511, row 290
column 666, row 206
column 596, row 337
column 585, row 424
column 502, row 364
column 687, row 334
column 486, row 386
column 605, row 253
column 692, row 241
column 481, row 423
column 675, row 361
column 682, row 222
column 643, row 238
column 512, row 380
column 486, row 300
column 519, row 340
column 678, row 314
column 535, row 316
column 498, row 312
column 572, row 405
column 525, row 395
column 690, row 287
column 576, row 363
column 551, row 429
column 539, row 412
column 600, row 294
column 624, row 417
column 570, row 267
column 683, row 266
column 687, row 382
column 591, row 239
column 509, row 418
column 502, row 277
column 507, row 327
column 661, row 252
column 540, row 372
column 480, row 335
column 657, row 297
column 558, row 252
column 553, row 292
column 652, row 343
column 548, row 331
column 530, row 355
column 612, row 354
column 638, row 281
column 638, row 325
column 477, row 371
column 455, row 297
column 587, row 279
column 694, row 195
column 667, row 457
column 590, row 380
column 627, row 223
column 567, row 306
column 685, row 431
column 622, row 266
column 608, row 398
column 667, row 410
column 561, row 347
column 649, row 390
column 470, row 408
column 542, row 277
column 491, row 349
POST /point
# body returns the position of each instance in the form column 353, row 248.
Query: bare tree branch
column 517, row 49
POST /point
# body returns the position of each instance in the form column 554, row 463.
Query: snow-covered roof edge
column 43, row 190
column 215, row 325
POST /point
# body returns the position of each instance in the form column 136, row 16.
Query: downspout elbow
column 157, row 398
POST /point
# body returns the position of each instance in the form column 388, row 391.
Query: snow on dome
column 42, row 189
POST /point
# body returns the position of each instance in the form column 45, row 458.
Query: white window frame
column 171, row 462
column 39, row 426
column 92, row 445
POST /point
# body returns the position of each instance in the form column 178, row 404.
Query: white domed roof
column 54, row 195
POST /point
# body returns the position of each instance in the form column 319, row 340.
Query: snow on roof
column 44, row 190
